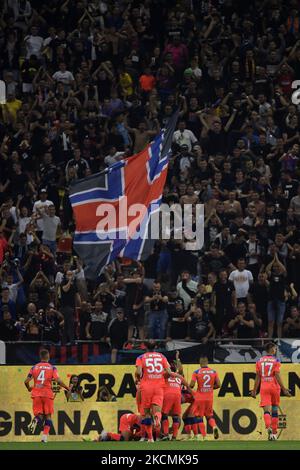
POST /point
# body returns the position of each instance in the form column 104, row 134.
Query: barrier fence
column 91, row 352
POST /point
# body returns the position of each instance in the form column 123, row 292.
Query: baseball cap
column 44, row 190
column 188, row 72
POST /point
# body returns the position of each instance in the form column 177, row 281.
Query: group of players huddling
column 161, row 390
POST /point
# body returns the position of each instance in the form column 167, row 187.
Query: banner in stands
column 99, row 353
column 288, row 351
column 238, row 416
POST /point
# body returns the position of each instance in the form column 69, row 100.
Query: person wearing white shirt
column 113, row 156
column 187, row 288
column 242, row 279
column 33, row 43
column 40, row 206
column 64, row 76
column 184, row 136
column 23, row 221
column 13, row 286
column 51, row 224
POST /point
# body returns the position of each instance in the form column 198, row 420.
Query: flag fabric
column 104, row 230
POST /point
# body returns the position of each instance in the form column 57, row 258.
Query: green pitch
column 178, row 445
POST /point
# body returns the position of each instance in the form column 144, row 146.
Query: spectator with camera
column 200, row 326
column 75, row 392
column 242, row 325
column 52, row 323
column 70, row 298
column 33, row 323
column 40, row 286
column 157, row 315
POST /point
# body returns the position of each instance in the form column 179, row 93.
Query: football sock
column 267, row 419
column 165, row 425
column 195, row 426
column 202, row 429
column 201, row 426
column 47, row 426
column 187, row 425
column 176, row 426
column 148, row 427
column 143, row 430
column 212, row 422
column 274, row 421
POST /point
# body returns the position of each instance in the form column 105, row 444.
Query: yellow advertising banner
column 238, row 416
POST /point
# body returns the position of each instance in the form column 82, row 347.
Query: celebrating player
column 129, row 429
column 207, row 380
column 151, row 370
column 269, row 379
column 41, row 393
column 172, row 400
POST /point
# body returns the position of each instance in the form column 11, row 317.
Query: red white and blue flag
column 113, row 209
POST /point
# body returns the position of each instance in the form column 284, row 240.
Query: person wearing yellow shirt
column 125, row 82
column 11, row 108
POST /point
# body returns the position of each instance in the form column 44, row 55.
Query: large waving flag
column 113, row 209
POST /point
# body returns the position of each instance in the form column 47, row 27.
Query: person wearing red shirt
column 270, row 382
column 129, row 429
column 42, row 394
column 147, row 80
column 151, row 370
column 207, row 380
column 172, row 400
column 3, row 246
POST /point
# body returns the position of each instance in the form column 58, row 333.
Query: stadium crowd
column 91, row 82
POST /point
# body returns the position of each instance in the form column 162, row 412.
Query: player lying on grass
column 129, row 430
column 207, row 380
column 42, row 394
column 270, row 382
column 172, row 400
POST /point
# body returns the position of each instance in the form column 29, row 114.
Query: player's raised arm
column 179, row 364
column 284, row 390
column 63, row 385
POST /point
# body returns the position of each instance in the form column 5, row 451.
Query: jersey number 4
column 41, row 376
